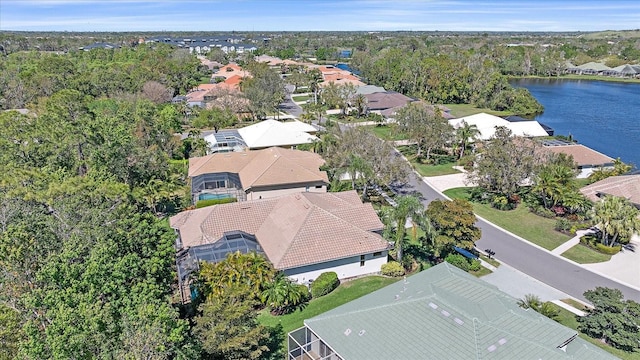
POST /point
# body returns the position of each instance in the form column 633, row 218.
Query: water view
column 601, row 115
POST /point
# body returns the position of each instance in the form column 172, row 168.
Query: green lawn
column 301, row 98
column 462, row 110
column 346, row 292
column 568, row 319
column 386, row 133
column 434, row 170
column 576, row 304
column 583, row 255
column 520, row 221
column 480, row 273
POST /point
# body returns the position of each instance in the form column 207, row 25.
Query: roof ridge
column 330, row 214
column 306, row 218
column 265, row 169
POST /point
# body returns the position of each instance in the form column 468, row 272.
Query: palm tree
column 315, row 78
column 465, row 134
column 360, row 103
column 407, row 206
column 616, row 218
column 533, row 302
column 282, row 295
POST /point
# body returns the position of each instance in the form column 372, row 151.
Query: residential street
column 539, row 264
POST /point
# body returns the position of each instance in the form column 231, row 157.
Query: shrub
column 563, row 225
column 458, row 261
column 467, row 162
column 209, row 202
column 475, row 265
column 324, row 284
column 306, row 295
column 542, row 211
column 609, row 250
column 589, row 240
column 392, row 268
column 501, row 202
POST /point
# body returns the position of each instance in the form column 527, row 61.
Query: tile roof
column 626, row 186
column 293, row 230
column 445, row 313
column 272, row 166
column 487, row 123
column 582, row 155
column 386, row 100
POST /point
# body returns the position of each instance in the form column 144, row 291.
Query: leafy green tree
column 10, row 332
column 505, row 163
column 454, row 223
column 265, row 89
column 227, row 327
column 616, row 218
column 214, row 118
column 424, row 125
column 612, row 319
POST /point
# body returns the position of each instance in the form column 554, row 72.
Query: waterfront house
column 256, row 174
column 302, row 234
column 626, row 186
column 587, row 159
column 487, row 124
column 440, row 313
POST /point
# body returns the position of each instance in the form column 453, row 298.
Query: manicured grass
column 583, row 255
column 301, row 98
column 576, row 304
column 346, row 292
column 434, row 170
column 568, row 319
column 462, row 110
column 480, row 273
column 520, row 221
column 386, row 133
column 492, row 261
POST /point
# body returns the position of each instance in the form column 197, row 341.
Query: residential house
column 256, row 174
column 587, row 159
column 302, row 234
column 487, row 124
column 378, row 102
column 271, row 132
column 626, row 186
column 440, row 313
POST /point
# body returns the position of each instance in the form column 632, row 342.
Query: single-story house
column 271, row 132
column 256, row 174
column 303, row 235
column 487, row 123
column 379, row 101
column 587, row 159
column 369, row 89
column 626, row 186
column 440, row 313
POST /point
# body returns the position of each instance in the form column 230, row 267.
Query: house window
column 361, row 260
column 318, row 186
column 378, row 253
column 215, row 184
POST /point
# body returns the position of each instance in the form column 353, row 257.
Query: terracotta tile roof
column 293, row 230
column 272, row 166
column 582, row 155
column 626, row 186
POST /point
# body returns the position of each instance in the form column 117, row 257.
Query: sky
column 319, row 15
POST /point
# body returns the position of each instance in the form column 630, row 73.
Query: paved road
column 539, row 264
column 288, row 105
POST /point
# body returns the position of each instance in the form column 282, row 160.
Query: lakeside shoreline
column 578, row 77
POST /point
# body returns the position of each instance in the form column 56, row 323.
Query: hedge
column 324, row 284
column 609, row 250
column 209, row 202
column 392, row 268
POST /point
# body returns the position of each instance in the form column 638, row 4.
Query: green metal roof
column 445, row 313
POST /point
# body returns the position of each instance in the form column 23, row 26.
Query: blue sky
column 300, row 15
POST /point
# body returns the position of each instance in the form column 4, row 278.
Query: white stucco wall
column 585, row 171
column 345, row 268
column 265, row 194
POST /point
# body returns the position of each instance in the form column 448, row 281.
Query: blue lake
column 604, row 116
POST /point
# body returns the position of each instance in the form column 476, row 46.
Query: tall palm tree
column 616, row 218
column 315, row 78
column 407, row 206
column 360, row 103
column 466, row 133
